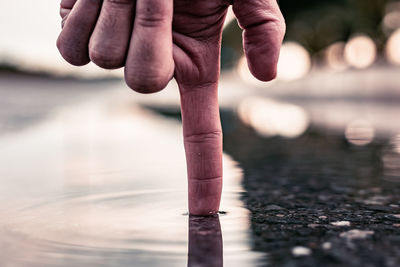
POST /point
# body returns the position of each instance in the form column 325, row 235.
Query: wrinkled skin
column 157, row 40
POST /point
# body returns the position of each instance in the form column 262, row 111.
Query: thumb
column 264, row 29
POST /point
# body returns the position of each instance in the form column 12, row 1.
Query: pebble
column 280, row 215
column 327, row 245
column 341, row 223
column 273, row 207
column 356, row 234
column 313, row 225
column 322, row 217
column 301, row 251
column 397, row 216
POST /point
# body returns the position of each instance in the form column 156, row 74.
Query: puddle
column 140, row 228
column 97, row 185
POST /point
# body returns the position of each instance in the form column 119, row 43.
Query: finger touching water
column 160, row 39
column 264, row 29
column 203, row 145
column 149, row 64
column 74, row 39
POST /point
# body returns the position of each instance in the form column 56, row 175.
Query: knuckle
column 150, row 21
column 152, row 15
column 206, row 137
column 120, row 2
column 69, row 4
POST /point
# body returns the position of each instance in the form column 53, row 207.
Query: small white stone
column 327, row 245
column 356, row 234
column 396, row 216
column 301, row 251
column 341, row 223
column 323, row 217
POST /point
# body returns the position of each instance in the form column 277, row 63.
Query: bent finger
column 110, row 39
column 203, row 146
column 264, row 29
column 149, row 65
column 74, row 38
column 65, row 8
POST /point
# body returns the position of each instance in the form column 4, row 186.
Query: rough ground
column 317, row 200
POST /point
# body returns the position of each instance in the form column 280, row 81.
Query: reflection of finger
column 74, row 38
column 203, row 146
column 149, row 65
column 110, row 39
column 264, row 29
column 205, row 242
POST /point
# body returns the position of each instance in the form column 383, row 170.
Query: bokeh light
column 393, row 48
column 359, row 132
column 391, row 20
column 272, row 118
column 360, row 51
column 334, row 56
column 294, row 61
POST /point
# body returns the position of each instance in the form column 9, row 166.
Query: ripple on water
column 135, row 228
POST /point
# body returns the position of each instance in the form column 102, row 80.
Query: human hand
column 157, row 40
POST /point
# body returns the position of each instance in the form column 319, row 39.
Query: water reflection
column 103, row 183
column 360, row 51
column 359, row 132
column 205, row 242
column 392, row 47
column 273, row 118
column 391, row 160
column 334, row 56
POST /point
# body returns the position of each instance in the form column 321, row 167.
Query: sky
column 29, row 31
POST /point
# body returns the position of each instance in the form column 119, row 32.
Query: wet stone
column 273, row 207
column 340, row 223
column 327, row 245
column 301, row 251
column 326, row 180
column 356, row 234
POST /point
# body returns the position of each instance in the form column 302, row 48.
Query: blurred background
column 81, row 155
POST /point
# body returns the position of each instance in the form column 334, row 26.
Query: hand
column 157, row 40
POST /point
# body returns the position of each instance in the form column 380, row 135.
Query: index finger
column 203, row 146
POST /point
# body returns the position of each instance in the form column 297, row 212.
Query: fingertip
column 106, row 60
column 204, row 196
column 74, row 38
column 263, row 72
column 144, row 83
column 70, row 53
